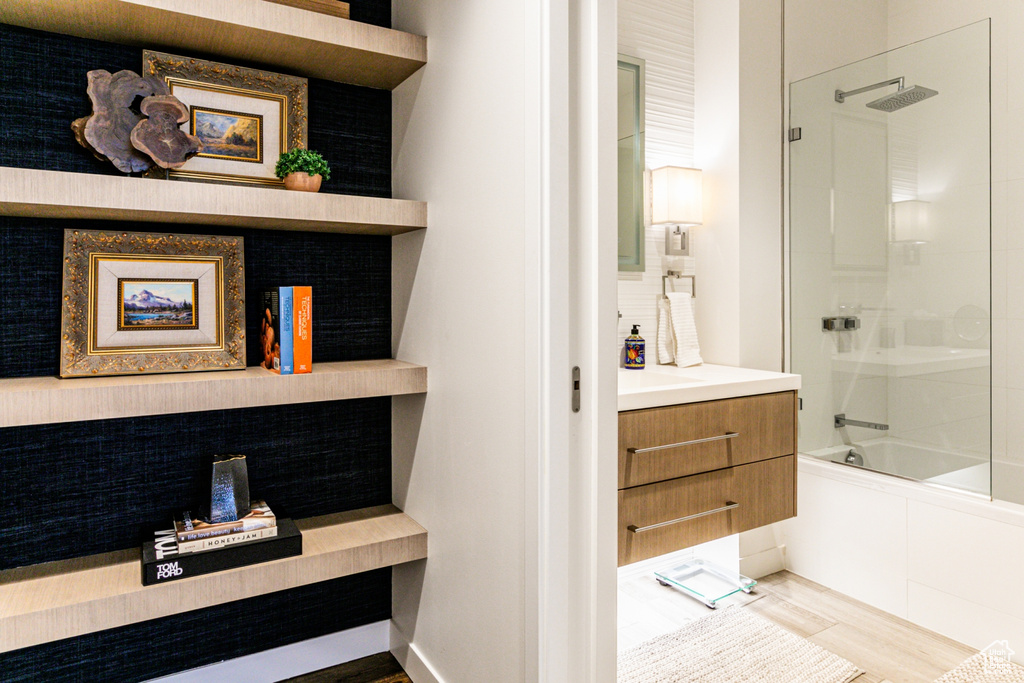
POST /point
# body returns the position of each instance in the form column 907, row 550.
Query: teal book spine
column 287, row 336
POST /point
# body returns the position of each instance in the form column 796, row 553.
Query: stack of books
column 195, row 547
column 286, row 331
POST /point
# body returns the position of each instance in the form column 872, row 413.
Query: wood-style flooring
column 888, row 649
column 382, row 668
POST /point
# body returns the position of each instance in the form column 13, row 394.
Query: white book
column 215, row 542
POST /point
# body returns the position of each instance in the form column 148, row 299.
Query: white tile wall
column 961, row 554
column 662, row 33
column 851, row 162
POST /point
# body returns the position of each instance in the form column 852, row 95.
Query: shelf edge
column 402, row 540
column 27, row 401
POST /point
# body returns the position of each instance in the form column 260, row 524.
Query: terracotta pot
column 302, row 181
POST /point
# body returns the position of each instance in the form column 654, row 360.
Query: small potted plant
column 302, row 169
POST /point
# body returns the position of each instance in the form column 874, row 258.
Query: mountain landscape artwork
column 157, row 304
column 228, row 135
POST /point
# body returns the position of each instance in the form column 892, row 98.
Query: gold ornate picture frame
column 138, row 303
column 246, row 117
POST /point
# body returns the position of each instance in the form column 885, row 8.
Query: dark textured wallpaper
column 44, row 79
column 186, row 641
column 371, row 12
column 80, row 488
column 350, row 276
column 76, row 489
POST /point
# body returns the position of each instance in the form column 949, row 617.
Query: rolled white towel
column 687, row 351
column 666, row 337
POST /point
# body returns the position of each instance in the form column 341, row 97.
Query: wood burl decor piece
column 78, row 128
column 108, row 129
column 160, row 136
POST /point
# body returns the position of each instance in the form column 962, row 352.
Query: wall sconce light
column 910, row 228
column 677, row 203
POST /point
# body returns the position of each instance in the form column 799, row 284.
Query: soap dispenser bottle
column 635, row 350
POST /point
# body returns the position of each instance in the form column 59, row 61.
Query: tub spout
column 841, row 421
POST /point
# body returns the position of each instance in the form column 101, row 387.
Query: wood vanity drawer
column 703, row 507
column 728, row 432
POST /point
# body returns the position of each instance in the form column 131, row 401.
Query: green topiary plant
column 304, row 160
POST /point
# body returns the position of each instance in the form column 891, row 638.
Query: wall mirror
column 631, row 164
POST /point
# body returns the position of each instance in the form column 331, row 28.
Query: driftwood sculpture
column 108, row 129
column 78, row 127
column 160, row 137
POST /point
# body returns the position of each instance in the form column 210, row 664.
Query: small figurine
column 229, row 489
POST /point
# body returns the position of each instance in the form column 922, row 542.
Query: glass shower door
column 890, row 261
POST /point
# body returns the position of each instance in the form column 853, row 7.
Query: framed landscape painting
column 231, row 135
column 246, row 118
column 144, row 303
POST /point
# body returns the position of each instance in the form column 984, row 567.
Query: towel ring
column 677, row 275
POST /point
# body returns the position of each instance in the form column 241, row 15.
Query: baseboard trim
column 764, row 563
column 411, row 659
column 292, row 660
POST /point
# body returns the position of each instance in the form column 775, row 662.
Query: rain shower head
column 903, row 97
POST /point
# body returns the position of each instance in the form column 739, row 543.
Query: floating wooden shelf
column 58, row 194
column 45, row 400
column 294, row 40
column 56, row 600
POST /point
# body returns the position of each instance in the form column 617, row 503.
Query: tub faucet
column 841, row 421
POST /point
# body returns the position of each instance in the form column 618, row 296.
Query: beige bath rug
column 985, row 668
column 732, row 646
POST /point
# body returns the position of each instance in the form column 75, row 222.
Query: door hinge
column 794, row 134
column 576, row 389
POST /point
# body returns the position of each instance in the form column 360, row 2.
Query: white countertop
column 666, row 385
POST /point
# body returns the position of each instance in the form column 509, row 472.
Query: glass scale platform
column 705, row 581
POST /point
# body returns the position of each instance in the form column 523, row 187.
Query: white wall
column 738, row 142
column 509, row 134
column 738, row 250
column 760, row 183
column 661, row 33
column 717, row 151
column 824, row 35
column 460, row 309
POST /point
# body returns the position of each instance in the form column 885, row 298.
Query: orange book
column 303, row 329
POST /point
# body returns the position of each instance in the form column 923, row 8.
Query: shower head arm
column 841, row 95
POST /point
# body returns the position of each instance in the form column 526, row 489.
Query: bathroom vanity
column 704, row 452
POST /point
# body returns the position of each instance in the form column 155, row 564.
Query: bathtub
column 943, row 558
column 927, row 464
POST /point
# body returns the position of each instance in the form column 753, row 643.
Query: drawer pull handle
column 727, row 435
column 729, row 505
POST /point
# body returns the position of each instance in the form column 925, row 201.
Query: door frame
column 571, row 274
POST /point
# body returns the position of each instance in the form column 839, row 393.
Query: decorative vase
column 302, row 181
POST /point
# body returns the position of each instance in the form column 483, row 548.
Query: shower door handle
column 721, row 437
column 729, row 505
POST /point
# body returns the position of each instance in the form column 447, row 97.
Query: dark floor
column 382, row 668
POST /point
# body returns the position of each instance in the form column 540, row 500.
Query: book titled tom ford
column 189, row 527
column 161, row 561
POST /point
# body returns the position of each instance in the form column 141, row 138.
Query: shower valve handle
column 840, row 323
